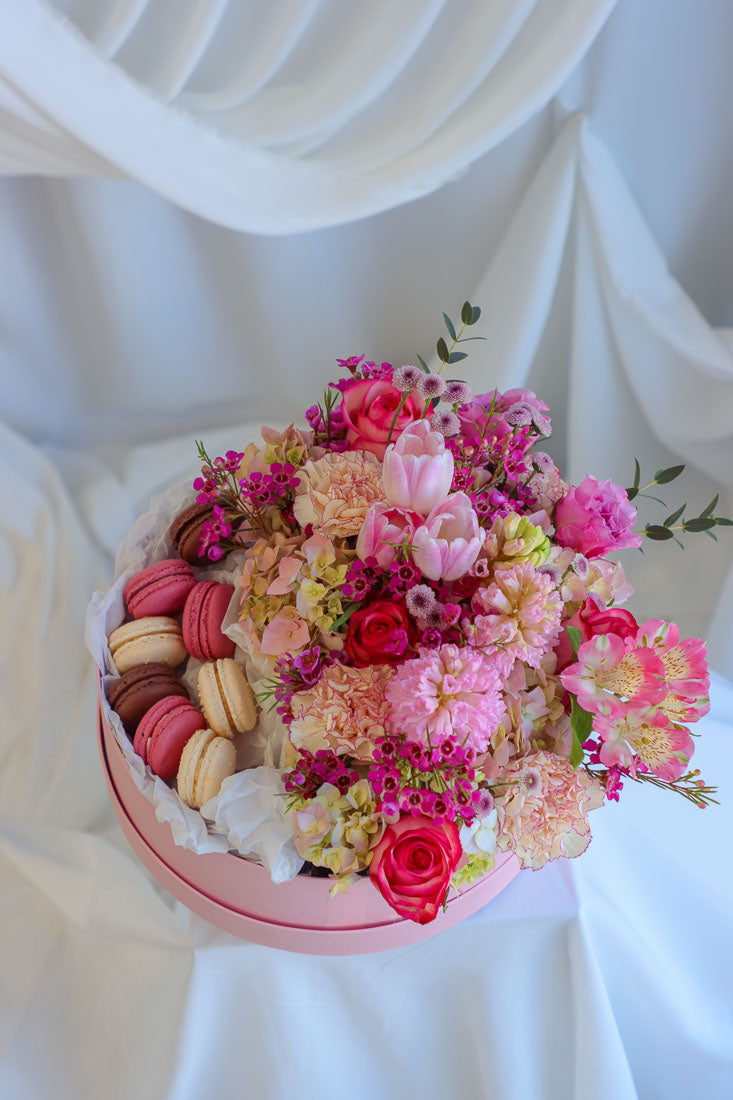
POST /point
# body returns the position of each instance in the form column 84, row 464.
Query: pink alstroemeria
column 385, row 528
column 448, row 543
column 608, row 672
column 644, row 732
column 418, row 470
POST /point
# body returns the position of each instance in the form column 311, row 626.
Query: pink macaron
column 203, row 614
column 163, row 732
column 160, row 589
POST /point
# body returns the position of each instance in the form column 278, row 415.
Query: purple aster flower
column 457, row 393
column 420, row 600
column 445, row 422
column 431, row 386
column 405, row 379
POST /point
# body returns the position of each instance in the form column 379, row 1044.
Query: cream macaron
column 207, row 760
column 154, row 638
column 226, row 698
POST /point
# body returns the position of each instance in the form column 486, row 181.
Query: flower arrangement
column 441, row 616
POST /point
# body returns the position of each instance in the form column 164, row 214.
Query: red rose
column 369, row 407
column 380, row 634
column 591, row 621
column 413, row 864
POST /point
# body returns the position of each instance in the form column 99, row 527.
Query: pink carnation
column 446, row 692
column 518, row 616
column 543, row 810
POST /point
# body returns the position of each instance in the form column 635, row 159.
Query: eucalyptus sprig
column 662, row 532
column 469, row 316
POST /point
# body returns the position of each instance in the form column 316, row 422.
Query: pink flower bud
column 448, row 543
column 418, row 470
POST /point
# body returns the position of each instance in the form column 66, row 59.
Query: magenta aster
column 445, row 692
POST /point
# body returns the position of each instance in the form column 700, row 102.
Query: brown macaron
column 139, row 688
column 185, row 532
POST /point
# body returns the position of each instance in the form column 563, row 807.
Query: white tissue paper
column 251, row 810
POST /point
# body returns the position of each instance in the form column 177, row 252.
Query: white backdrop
column 591, row 221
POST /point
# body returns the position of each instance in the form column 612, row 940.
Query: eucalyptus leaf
column 449, row 325
column 423, row 364
column 467, row 313
column 711, row 535
column 632, row 492
column 671, row 520
column 711, row 506
column 657, row 533
column 475, row 314
column 442, row 349
column 637, row 473
column 456, row 356
column 663, row 477
column 699, row 524
column 721, row 522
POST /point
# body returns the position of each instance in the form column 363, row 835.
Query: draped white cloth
column 127, row 326
column 283, row 117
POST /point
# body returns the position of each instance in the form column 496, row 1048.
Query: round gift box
column 239, row 896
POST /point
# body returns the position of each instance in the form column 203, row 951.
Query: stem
column 450, row 349
column 397, row 412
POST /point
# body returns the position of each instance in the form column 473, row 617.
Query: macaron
column 144, row 641
column 226, row 698
column 206, row 762
column 185, row 532
column 160, row 589
column 163, row 733
column 203, row 614
column 138, row 688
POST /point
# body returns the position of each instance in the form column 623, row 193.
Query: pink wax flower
column 385, row 529
column 369, row 406
column 446, row 692
column 596, row 517
column 448, row 543
column 418, row 470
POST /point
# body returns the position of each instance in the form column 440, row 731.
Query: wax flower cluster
column 440, row 613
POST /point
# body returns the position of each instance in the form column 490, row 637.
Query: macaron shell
column 145, row 641
column 190, row 759
column 165, row 747
column 217, row 763
column 203, row 615
column 212, row 703
column 185, row 531
column 138, row 689
column 160, row 589
column 238, row 695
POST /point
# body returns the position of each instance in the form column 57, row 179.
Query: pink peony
column 385, row 529
column 543, row 811
column 418, row 470
column 445, row 692
column 518, row 616
column 596, row 517
column 448, row 543
column 369, row 406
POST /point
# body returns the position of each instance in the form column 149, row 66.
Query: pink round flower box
column 239, row 896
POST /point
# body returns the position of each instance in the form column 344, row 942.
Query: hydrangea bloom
column 445, row 692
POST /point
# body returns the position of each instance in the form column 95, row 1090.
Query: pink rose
column 369, row 407
column 590, row 620
column 418, row 470
column 596, row 517
column 385, row 529
column 448, row 543
column 413, row 864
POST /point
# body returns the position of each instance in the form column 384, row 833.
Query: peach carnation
column 345, row 711
column 543, row 810
column 337, row 491
column 518, row 616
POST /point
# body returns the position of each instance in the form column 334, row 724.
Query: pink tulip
column 448, row 543
column 384, row 530
column 418, row 470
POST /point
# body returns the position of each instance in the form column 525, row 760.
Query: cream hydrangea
column 338, row 831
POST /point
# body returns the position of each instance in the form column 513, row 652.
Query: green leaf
column 658, row 533
column 582, row 723
column 467, row 313
column 711, row 506
column 423, row 364
column 575, row 638
column 475, row 314
column 343, row 618
column 456, row 356
column 648, row 496
column 720, row 522
column 637, row 473
column 632, row 492
column 662, row 477
column 449, row 326
column 699, row 524
column 671, row 520
column 442, row 349
column 711, row 535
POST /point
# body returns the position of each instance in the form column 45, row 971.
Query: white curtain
column 594, row 231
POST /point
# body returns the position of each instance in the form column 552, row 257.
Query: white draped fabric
column 283, row 117
column 128, row 325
